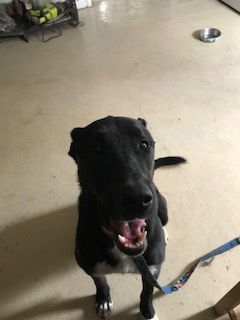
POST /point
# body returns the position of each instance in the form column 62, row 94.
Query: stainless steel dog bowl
column 209, row 34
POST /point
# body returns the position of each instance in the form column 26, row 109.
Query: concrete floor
column 132, row 58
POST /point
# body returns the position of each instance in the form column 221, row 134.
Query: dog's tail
column 168, row 161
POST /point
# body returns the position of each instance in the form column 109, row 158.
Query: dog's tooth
column 121, row 239
column 142, row 236
column 139, row 243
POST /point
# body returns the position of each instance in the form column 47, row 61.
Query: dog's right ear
column 143, row 121
column 75, row 134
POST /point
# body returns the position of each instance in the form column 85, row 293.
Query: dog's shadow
column 35, row 249
column 56, row 306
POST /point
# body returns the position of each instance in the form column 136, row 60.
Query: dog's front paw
column 104, row 308
column 155, row 317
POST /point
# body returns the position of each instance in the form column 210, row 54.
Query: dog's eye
column 144, row 145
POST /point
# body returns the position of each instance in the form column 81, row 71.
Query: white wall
column 83, row 4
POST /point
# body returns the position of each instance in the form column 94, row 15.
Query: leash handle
column 145, row 271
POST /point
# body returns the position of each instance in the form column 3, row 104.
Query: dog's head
column 115, row 159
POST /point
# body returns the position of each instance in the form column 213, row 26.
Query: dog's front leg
column 146, row 306
column 103, row 300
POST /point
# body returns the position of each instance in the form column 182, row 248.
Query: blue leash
column 144, row 269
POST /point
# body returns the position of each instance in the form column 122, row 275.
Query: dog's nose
column 138, row 200
column 146, row 200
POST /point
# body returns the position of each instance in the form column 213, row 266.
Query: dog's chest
column 125, row 264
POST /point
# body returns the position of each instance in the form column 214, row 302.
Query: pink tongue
column 129, row 229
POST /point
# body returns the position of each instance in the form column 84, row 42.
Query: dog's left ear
column 144, row 122
column 75, row 134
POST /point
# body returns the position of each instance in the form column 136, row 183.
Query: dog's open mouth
column 130, row 236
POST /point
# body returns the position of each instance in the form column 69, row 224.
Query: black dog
column 121, row 212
